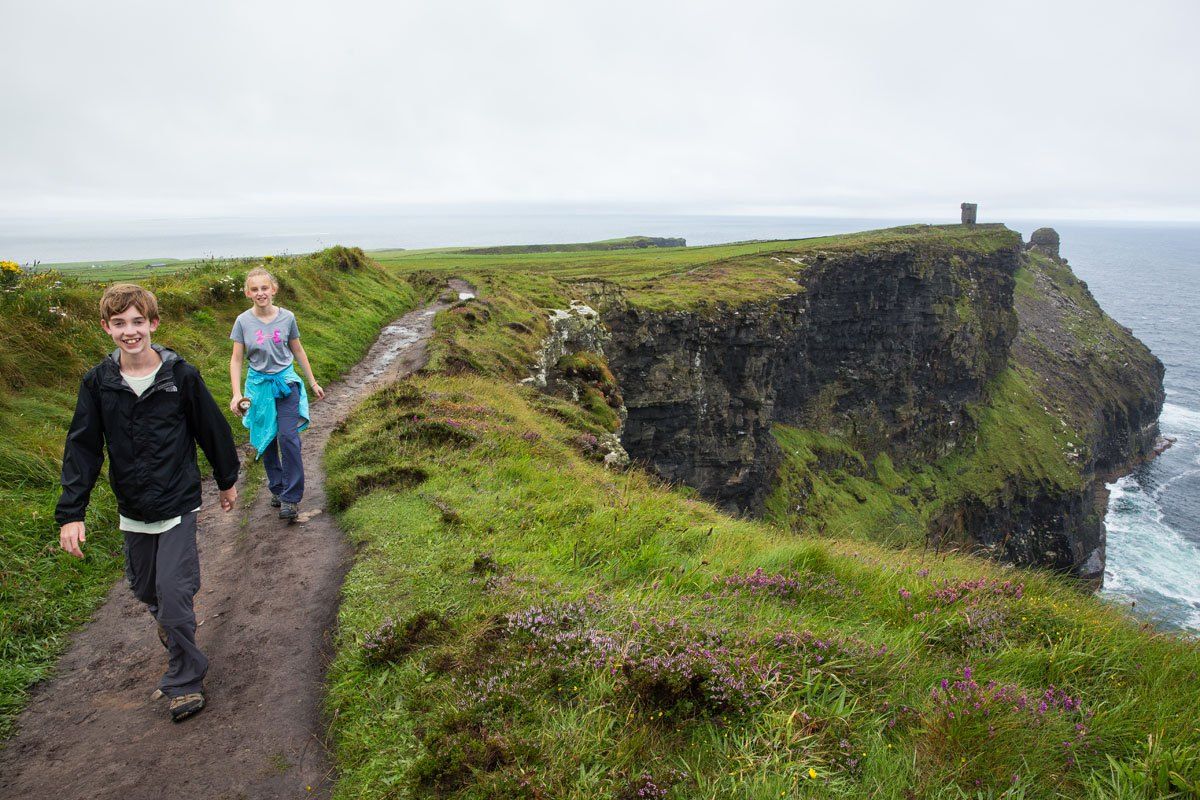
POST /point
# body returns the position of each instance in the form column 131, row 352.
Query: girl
column 278, row 408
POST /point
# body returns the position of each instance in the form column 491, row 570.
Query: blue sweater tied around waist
column 262, row 388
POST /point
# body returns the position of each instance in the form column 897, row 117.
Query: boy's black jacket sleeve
column 210, row 429
column 82, row 457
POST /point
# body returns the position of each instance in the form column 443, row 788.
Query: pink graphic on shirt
column 258, row 336
column 275, row 337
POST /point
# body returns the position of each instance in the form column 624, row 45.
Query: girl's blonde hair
column 260, row 271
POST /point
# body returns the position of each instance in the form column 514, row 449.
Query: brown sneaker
column 186, row 705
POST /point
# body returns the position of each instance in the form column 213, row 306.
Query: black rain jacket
column 151, row 441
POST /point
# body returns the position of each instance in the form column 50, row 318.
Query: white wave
column 1176, row 419
column 1146, row 556
column 1119, row 492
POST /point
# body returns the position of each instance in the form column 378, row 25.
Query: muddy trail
column 267, row 607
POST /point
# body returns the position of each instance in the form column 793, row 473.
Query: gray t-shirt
column 266, row 342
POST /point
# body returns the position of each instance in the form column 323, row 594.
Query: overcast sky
column 1070, row 109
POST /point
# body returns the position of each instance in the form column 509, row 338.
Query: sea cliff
column 948, row 387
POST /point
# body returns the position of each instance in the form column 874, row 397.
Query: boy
column 150, row 408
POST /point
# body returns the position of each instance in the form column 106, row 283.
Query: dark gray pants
column 285, row 467
column 163, row 570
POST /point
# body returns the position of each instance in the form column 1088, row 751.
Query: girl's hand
column 317, row 390
column 233, row 404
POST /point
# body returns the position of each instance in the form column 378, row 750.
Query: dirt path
column 266, row 610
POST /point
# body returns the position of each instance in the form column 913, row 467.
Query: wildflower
column 812, row 773
column 10, row 273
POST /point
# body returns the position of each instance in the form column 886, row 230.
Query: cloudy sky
column 1060, row 109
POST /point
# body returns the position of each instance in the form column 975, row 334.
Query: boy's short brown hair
column 120, row 296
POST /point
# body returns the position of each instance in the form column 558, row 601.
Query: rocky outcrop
column 571, row 364
column 1045, row 241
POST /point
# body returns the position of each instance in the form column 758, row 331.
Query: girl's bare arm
column 301, row 356
column 235, row 374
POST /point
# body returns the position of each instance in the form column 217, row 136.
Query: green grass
column 45, row 594
column 514, row 516
column 478, row 505
column 623, row 243
column 133, row 270
column 661, row 279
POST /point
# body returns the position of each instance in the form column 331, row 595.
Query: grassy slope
column 44, row 594
column 537, row 626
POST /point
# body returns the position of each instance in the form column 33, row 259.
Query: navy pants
column 163, row 570
column 285, row 469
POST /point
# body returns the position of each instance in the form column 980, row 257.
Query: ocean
column 1146, row 276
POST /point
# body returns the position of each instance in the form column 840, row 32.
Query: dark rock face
column 1034, row 528
column 885, row 347
column 895, row 344
column 705, row 393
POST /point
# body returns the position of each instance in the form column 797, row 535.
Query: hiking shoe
column 275, row 501
column 186, row 705
column 288, row 511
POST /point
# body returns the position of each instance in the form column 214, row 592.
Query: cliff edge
column 946, row 386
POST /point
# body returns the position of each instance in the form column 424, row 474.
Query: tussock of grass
column 49, row 337
column 622, row 635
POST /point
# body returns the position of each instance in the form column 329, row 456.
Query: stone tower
column 968, row 213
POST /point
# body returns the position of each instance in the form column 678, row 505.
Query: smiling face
column 130, row 330
column 261, row 290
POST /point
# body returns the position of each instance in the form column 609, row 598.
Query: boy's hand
column 70, row 536
column 227, row 498
column 318, row 391
column 233, row 404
